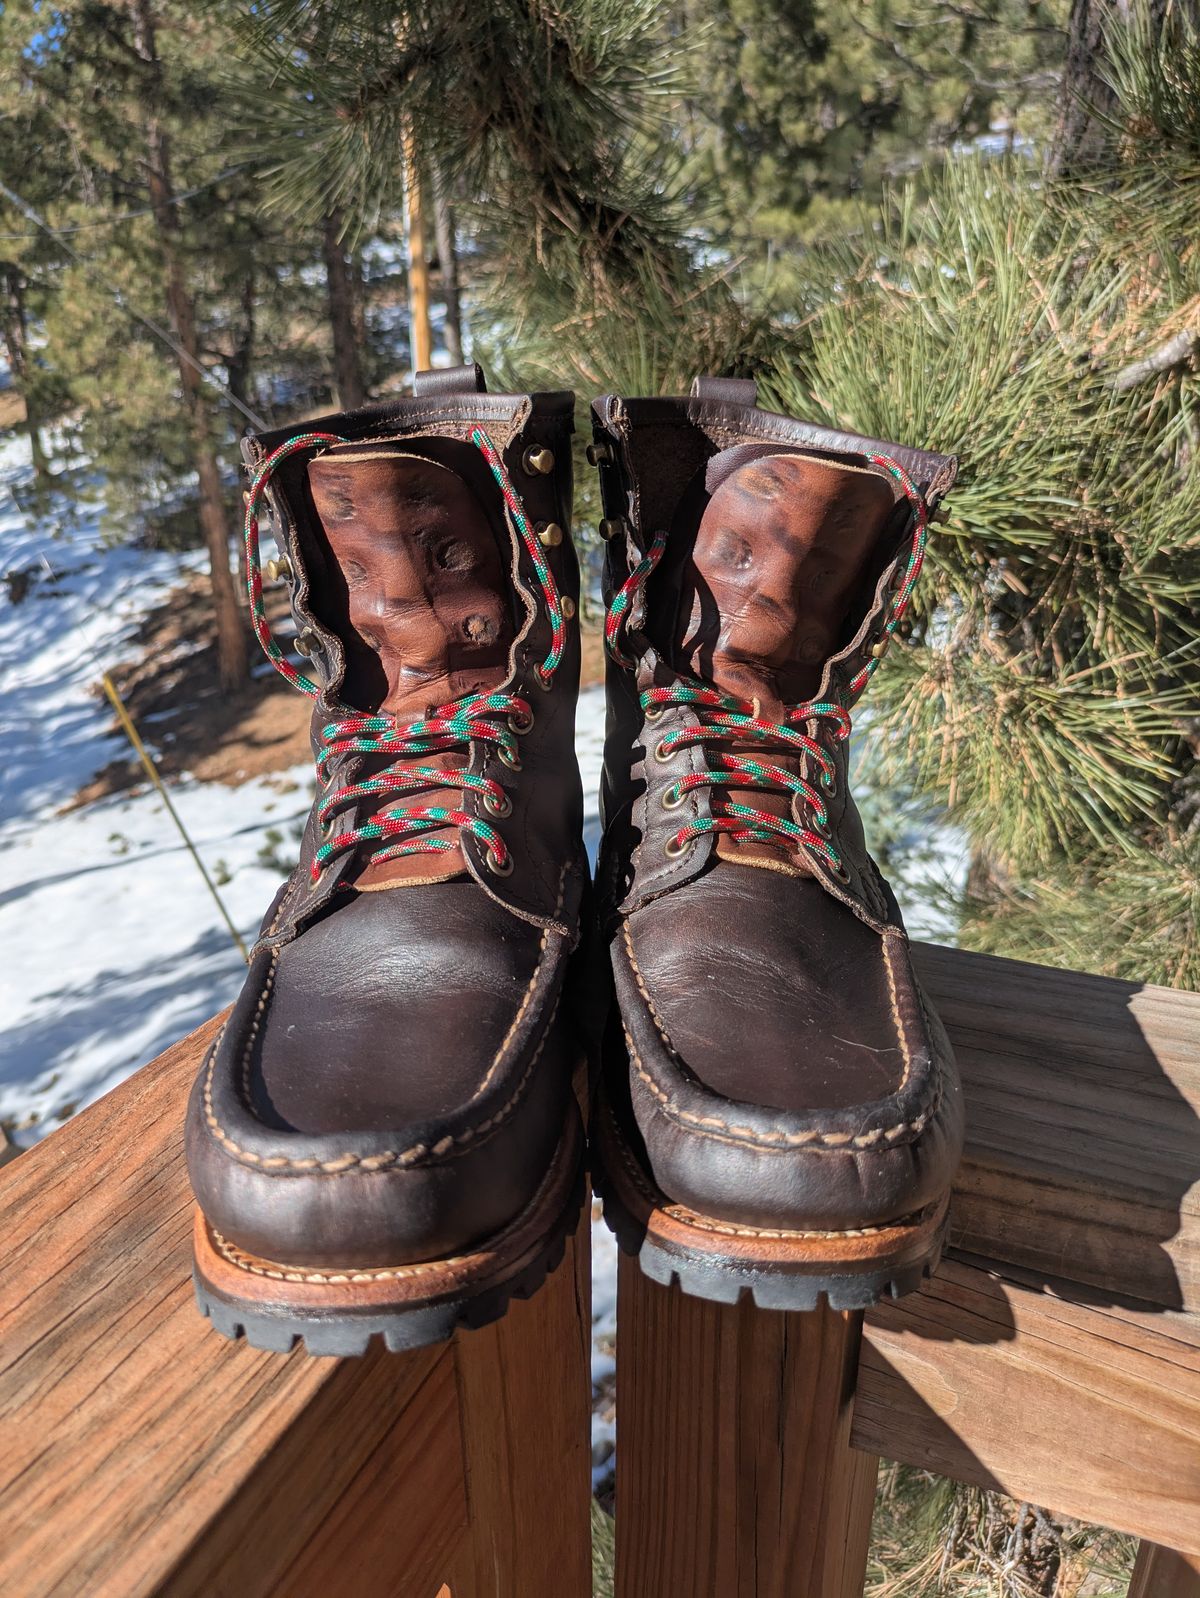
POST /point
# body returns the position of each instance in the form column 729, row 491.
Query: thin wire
column 160, row 332
column 129, row 216
column 126, row 720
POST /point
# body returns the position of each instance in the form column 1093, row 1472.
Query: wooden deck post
column 1162, row 1573
column 143, row 1454
column 1054, row 1356
column 735, row 1475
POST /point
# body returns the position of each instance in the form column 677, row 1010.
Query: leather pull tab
column 726, row 390
column 449, row 380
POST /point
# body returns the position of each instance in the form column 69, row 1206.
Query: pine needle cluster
column 1049, row 693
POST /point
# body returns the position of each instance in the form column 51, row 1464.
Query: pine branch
column 1176, row 352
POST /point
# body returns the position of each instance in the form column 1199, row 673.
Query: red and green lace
column 724, row 718
column 397, row 827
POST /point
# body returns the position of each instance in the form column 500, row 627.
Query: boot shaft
column 780, row 551
column 423, row 540
column 408, row 581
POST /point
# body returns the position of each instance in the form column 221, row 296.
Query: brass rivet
column 279, row 569
column 611, row 527
column 568, row 606
column 538, row 460
column 599, row 454
column 880, row 649
column 550, row 534
column 306, row 642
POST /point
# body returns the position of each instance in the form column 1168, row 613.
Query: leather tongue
column 418, row 596
column 780, row 555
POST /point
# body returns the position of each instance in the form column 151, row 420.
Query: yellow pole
column 131, row 732
column 421, row 331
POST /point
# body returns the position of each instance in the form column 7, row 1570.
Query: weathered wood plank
column 525, row 1401
column 144, row 1454
column 1089, row 1409
column 735, row 1478
column 1083, row 1123
column 1162, row 1573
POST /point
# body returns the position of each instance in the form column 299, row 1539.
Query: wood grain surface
column 145, row 1454
column 1083, row 1123
column 735, row 1477
column 1162, row 1573
column 1089, row 1409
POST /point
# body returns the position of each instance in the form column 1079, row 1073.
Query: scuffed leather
column 804, row 1165
column 390, row 1140
column 396, row 1075
column 782, row 1067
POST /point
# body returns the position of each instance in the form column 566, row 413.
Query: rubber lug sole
column 775, row 1269
column 275, row 1307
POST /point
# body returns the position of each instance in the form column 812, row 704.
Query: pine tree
column 806, row 107
column 152, row 94
column 1049, row 692
column 128, row 148
column 530, row 118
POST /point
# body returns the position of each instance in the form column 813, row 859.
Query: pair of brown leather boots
column 387, row 1135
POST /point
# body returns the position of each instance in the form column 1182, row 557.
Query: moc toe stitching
column 751, row 1165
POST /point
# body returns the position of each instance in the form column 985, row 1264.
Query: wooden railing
column 1056, row 1355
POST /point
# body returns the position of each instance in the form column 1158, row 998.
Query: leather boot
column 384, row 1138
column 780, row 1110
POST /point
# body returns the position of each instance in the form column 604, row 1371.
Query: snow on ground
column 112, row 946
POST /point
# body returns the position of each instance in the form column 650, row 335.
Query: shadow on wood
column 145, row 1454
column 1058, row 1360
column 735, row 1475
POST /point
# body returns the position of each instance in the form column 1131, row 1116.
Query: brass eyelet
column 306, row 642
column 495, row 866
column 661, row 753
column 654, row 712
column 521, row 725
column 839, row 873
column 673, row 848
column 673, row 796
column 538, row 461
column 497, row 807
column 544, row 682
column 821, row 828
column 829, row 782
column 512, row 761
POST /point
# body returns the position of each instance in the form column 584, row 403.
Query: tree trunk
column 447, row 249
column 232, row 662
column 1080, row 136
column 239, row 364
column 347, row 367
column 420, row 332
column 16, row 342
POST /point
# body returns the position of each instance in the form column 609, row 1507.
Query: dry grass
column 935, row 1539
